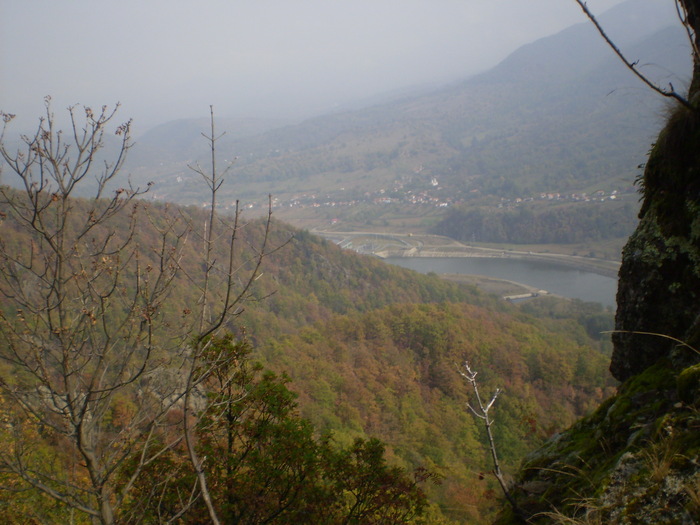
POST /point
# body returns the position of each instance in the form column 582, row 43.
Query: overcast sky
column 168, row 59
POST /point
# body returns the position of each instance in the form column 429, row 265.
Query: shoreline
column 598, row 266
column 402, row 245
column 502, row 288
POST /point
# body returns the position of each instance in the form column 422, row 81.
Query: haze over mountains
column 562, row 114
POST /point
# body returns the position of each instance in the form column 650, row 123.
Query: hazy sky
column 170, row 59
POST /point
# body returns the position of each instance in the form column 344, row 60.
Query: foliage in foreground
column 264, row 464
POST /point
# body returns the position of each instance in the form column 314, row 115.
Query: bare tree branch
column 669, row 92
column 91, row 358
column 483, row 414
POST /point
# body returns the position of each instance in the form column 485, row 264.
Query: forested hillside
column 392, row 373
column 372, row 351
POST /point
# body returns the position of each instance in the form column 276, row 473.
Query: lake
column 554, row 278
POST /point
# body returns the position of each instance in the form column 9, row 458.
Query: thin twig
column 632, row 66
column 663, row 336
column 483, row 414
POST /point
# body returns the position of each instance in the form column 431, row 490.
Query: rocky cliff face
column 659, row 284
column 637, row 458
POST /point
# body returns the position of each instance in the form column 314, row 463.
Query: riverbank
column 589, row 264
column 493, row 286
column 407, row 245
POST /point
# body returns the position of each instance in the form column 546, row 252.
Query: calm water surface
column 557, row 279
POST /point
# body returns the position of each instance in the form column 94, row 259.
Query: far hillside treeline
column 565, row 224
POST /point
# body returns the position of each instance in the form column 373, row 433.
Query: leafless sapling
column 482, row 412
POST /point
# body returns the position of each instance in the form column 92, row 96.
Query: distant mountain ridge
column 579, row 48
column 561, row 113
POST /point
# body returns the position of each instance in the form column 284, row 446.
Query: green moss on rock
column 635, row 455
column 688, row 385
column 659, row 281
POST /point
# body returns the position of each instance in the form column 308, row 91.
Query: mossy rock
column 658, row 292
column 688, row 385
column 593, row 457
